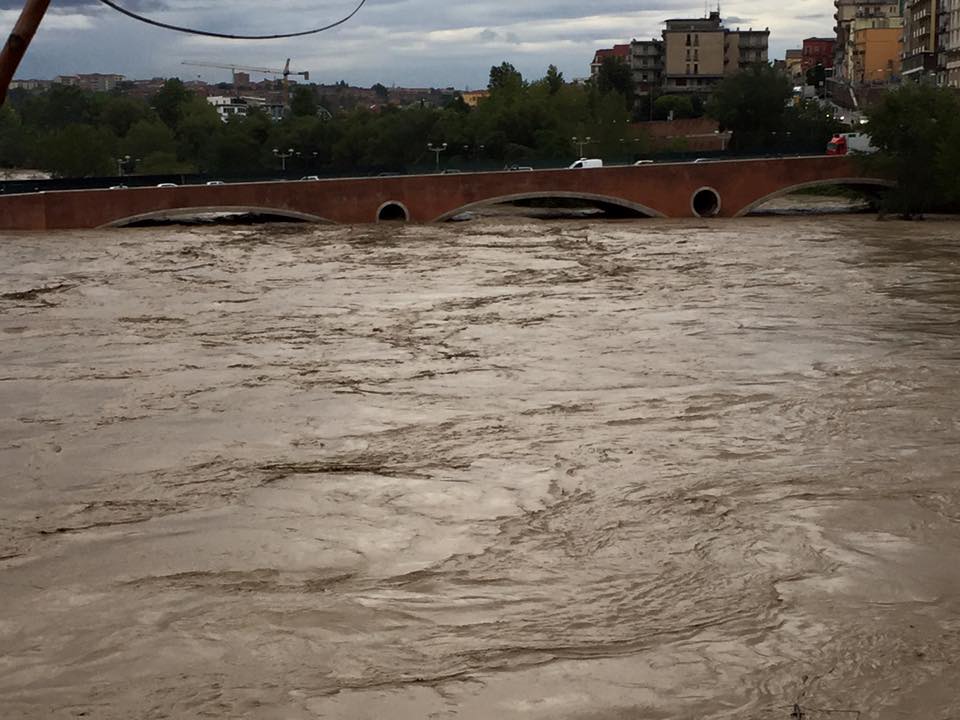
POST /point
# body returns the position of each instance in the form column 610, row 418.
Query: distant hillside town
column 270, row 95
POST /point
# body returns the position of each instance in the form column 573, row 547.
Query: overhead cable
column 207, row 33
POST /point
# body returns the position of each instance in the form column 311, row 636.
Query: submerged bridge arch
column 550, row 195
column 852, row 182
column 183, row 212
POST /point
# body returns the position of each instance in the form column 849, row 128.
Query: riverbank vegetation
column 543, row 122
column 916, row 129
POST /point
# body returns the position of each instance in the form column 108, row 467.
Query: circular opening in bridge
column 392, row 212
column 705, row 202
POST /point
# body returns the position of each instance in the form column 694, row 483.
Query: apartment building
column 920, row 39
column 699, row 52
column 817, row 51
column 693, row 55
column 93, row 82
column 646, row 64
column 951, row 44
column 852, row 16
column 876, row 57
column 793, row 64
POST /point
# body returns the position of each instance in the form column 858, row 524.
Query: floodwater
column 504, row 469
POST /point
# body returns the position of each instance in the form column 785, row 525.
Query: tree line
column 73, row 133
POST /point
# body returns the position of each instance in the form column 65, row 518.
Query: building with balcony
column 853, row 15
column 692, row 56
column 951, row 43
column 920, row 34
column 646, row 64
column 699, row 52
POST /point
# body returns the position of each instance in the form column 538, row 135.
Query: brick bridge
column 728, row 188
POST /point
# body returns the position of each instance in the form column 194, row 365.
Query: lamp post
column 283, row 157
column 580, row 142
column 437, row 149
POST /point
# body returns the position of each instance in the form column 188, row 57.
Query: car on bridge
column 584, row 163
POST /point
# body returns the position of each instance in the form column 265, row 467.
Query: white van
column 587, row 163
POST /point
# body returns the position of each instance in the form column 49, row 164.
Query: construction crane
column 286, row 73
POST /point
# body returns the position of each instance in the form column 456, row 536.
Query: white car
column 643, row 162
column 587, row 163
column 215, row 182
column 167, row 185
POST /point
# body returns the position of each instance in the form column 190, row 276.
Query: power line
column 207, row 33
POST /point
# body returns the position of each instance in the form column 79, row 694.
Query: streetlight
column 436, row 149
column 283, row 157
column 581, row 142
column 121, row 161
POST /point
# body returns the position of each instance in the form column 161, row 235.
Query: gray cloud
column 407, row 42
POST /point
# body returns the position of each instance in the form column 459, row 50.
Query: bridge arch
column 184, row 212
column 393, row 211
column 849, row 182
column 706, row 202
column 545, row 195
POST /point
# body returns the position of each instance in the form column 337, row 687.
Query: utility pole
column 18, row 42
column 437, row 149
column 283, row 157
column 581, row 142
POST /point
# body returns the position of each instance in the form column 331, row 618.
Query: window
column 696, row 54
column 688, row 39
column 696, row 39
column 696, row 69
column 688, row 54
column 688, row 69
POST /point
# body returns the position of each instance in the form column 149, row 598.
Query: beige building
column 853, row 15
column 876, row 57
column 793, row 63
column 698, row 53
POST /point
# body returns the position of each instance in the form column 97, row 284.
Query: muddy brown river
column 538, row 469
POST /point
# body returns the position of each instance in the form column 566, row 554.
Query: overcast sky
column 438, row 43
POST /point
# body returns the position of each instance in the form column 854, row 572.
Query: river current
column 503, row 469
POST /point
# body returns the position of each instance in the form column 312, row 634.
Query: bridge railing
column 452, row 164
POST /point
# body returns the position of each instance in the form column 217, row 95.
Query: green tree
column 79, row 151
column 505, row 77
column 60, row 106
column 752, row 104
column 16, row 144
column 120, row 113
column 381, row 92
column 164, row 163
column 615, row 76
column 303, row 102
column 170, row 101
column 680, row 105
column 554, row 79
column 808, row 128
column 147, row 137
column 200, row 125
column 915, row 128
